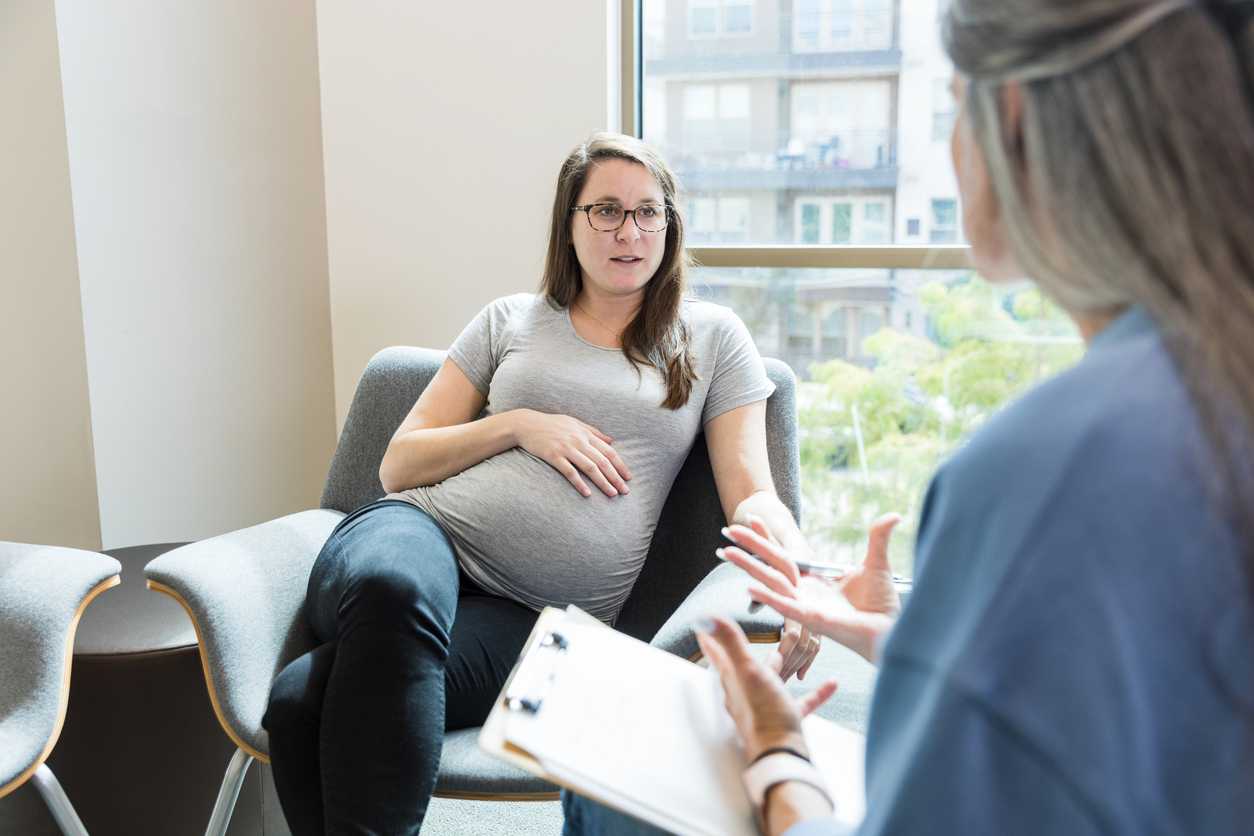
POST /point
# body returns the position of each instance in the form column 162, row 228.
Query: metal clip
column 535, row 677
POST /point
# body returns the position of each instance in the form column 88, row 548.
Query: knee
column 399, row 593
column 403, row 593
column 295, row 701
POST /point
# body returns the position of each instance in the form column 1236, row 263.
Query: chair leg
column 227, row 795
column 62, row 810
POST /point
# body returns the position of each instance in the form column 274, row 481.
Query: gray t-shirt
column 519, row 527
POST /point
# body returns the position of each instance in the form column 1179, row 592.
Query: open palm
column 853, row 609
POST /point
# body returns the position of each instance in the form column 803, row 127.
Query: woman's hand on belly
column 572, row 448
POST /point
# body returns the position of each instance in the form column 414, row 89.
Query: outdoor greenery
column 915, row 404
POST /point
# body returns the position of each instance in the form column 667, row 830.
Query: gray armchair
column 43, row 592
column 245, row 591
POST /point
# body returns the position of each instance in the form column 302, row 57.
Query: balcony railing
column 841, row 150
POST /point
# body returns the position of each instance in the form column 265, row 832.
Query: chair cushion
column 41, row 588
column 465, row 769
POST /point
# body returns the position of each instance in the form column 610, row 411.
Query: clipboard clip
column 536, row 674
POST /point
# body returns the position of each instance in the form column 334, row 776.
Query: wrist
column 792, row 741
column 514, row 427
column 792, row 802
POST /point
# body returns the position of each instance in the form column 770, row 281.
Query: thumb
column 877, row 547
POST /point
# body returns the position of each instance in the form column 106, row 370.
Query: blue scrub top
column 1078, row 653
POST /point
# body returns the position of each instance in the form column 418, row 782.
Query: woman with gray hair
column 1078, row 653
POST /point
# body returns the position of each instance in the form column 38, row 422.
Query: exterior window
column 718, row 220
column 806, row 17
column 875, row 228
column 782, row 123
column 737, row 18
column 843, row 125
column 700, row 115
column 842, row 223
column 712, row 18
column 945, row 221
column 702, row 18
column 852, row 220
column 702, row 219
column 810, row 213
column 821, row 25
column 716, row 116
column 944, row 109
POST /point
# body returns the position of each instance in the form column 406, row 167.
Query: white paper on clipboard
column 648, row 733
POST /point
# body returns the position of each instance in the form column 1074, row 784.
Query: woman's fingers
column 801, row 652
column 808, row 702
column 788, row 607
column 758, row 570
column 767, row 550
column 613, row 460
column 571, row 473
column 595, row 473
column 594, row 431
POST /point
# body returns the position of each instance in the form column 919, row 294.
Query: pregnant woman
column 593, row 392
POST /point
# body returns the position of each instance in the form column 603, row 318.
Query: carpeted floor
column 849, row 708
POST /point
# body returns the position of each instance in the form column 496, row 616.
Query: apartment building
column 806, row 122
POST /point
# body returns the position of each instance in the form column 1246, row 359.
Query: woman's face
column 617, row 264
column 981, row 213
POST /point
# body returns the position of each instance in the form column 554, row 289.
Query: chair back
column 682, row 551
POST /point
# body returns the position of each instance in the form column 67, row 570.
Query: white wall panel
column 196, row 167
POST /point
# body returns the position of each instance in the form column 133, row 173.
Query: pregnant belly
column 522, row 527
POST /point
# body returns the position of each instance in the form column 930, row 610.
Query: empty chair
column 43, row 592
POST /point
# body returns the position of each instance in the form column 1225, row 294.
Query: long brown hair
column 1131, row 181
column 657, row 337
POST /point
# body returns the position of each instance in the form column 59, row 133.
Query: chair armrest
column 245, row 593
column 725, row 592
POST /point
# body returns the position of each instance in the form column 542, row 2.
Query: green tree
column 914, row 404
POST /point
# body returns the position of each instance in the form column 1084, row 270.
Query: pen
column 822, row 570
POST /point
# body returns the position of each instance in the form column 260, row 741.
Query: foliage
column 913, row 406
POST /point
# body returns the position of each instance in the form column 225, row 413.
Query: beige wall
column 216, row 269
column 431, row 113
column 196, row 165
column 47, row 471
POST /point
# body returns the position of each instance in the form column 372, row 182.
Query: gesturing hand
column 572, row 447
column 854, row 609
column 765, row 714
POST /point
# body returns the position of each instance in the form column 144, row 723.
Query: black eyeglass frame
column 666, row 209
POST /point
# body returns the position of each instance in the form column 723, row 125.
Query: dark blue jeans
column 585, row 817
column 411, row 648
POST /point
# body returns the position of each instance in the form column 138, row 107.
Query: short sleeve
column 478, row 350
column 738, row 377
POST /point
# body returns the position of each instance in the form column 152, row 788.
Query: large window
column 810, row 138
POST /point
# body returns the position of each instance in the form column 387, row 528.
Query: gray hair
column 1131, row 181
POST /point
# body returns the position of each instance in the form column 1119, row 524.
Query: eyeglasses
column 610, row 217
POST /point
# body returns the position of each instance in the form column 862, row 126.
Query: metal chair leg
column 227, row 795
column 62, row 810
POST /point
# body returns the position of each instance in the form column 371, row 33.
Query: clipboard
column 645, row 732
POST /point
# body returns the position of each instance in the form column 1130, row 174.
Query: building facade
column 806, row 122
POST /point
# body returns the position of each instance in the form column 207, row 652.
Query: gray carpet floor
column 849, row 708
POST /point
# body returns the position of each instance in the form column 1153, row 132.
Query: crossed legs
column 410, row 649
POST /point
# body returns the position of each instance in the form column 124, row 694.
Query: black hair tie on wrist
column 779, row 750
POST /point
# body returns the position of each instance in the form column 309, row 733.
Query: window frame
column 896, row 256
